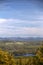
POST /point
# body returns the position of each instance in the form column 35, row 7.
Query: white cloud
column 2, row 20
column 7, row 30
column 17, row 21
column 20, row 31
column 11, row 20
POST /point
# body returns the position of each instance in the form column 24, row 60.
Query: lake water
column 25, row 54
column 28, row 55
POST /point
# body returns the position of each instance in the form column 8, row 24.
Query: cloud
column 2, row 20
column 19, row 22
column 11, row 21
column 8, row 27
column 22, row 31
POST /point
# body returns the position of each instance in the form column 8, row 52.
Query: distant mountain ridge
column 21, row 39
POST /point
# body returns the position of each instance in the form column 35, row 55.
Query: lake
column 28, row 54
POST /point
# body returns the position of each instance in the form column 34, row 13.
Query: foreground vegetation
column 8, row 59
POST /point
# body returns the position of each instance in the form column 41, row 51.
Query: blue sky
column 21, row 18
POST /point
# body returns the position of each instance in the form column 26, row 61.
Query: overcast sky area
column 21, row 18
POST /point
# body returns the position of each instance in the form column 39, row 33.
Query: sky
column 21, row 18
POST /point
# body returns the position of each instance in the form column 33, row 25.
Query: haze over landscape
column 21, row 18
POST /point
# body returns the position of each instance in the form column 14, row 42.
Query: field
column 21, row 47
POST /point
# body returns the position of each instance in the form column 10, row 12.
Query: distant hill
column 21, row 39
